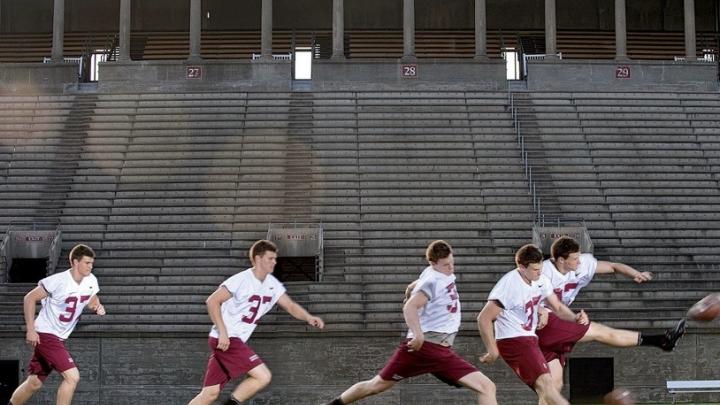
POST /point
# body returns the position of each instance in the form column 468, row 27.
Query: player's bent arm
column 96, row 306
column 410, row 312
column 485, row 320
column 29, row 305
column 563, row 312
column 214, row 303
column 298, row 312
column 604, row 267
column 409, row 289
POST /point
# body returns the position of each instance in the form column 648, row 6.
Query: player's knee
column 34, row 383
column 487, row 387
column 71, row 377
column 210, row 393
column 378, row 385
column 264, row 378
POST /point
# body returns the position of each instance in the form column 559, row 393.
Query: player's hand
column 543, row 316
column 643, row 277
column 100, row 310
column 316, row 322
column 415, row 343
column 489, row 357
column 32, row 338
column 582, row 318
column 223, row 342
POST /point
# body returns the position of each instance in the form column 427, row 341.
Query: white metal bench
column 687, row 386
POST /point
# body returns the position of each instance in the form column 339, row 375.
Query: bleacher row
column 171, row 189
column 148, row 45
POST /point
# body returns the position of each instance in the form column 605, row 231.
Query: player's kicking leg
column 363, row 389
column 26, row 390
column 625, row 338
column 481, row 384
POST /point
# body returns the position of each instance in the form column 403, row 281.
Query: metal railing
column 275, row 56
column 541, row 56
column 537, row 208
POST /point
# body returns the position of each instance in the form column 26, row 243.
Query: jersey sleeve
column 500, row 293
column 51, row 283
column 279, row 289
column 233, row 284
column 588, row 263
column 426, row 286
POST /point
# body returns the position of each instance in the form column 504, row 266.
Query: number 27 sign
column 193, row 72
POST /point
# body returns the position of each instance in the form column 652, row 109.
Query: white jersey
column 251, row 299
column 520, row 302
column 65, row 302
column 567, row 286
column 442, row 312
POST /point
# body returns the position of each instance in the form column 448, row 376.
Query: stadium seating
column 171, row 189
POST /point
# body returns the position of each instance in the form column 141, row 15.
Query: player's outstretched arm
column 96, row 306
column 627, row 271
column 565, row 313
column 485, row 319
column 29, row 304
column 214, row 303
column 298, row 312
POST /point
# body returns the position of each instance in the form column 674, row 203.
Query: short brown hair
column 80, row 251
column 260, row 247
column 528, row 254
column 437, row 250
column 563, row 247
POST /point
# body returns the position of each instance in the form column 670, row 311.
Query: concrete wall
column 33, row 78
column 152, row 76
column 149, row 76
column 579, row 75
column 432, row 73
column 173, row 15
column 314, row 368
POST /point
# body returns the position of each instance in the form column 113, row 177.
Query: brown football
column 619, row 396
column 706, row 309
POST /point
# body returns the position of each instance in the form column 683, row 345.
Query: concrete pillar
column 338, row 25
column 620, row 31
column 690, row 46
column 480, row 30
column 408, row 29
column 125, row 12
column 266, row 30
column 195, row 29
column 58, row 31
column 550, row 28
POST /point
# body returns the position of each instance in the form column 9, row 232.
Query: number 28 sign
column 622, row 72
column 409, row 70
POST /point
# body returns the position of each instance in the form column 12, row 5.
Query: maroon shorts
column 440, row 361
column 224, row 366
column 558, row 338
column 50, row 354
column 524, row 357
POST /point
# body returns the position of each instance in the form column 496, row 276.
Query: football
column 706, row 309
column 619, row 396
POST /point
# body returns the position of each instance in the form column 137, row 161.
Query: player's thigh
column 556, row 372
column 544, row 384
column 34, row 382
column 478, row 382
column 377, row 384
column 261, row 372
column 71, row 375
